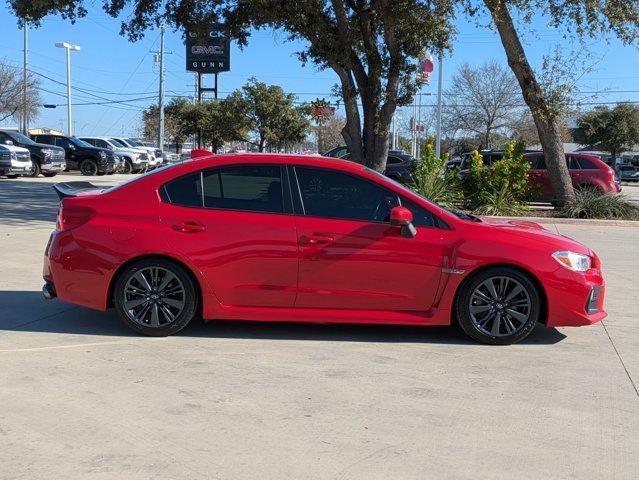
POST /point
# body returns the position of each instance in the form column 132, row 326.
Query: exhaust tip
column 48, row 291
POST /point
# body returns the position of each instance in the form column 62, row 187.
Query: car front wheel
column 155, row 297
column 88, row 167
column 498, row 306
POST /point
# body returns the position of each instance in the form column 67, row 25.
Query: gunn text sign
column 207, row 53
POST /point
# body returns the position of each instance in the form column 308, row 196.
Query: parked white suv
column 155, row 160
column 135, row 159
column 20, row 161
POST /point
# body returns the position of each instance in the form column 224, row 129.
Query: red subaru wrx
column 308, row 239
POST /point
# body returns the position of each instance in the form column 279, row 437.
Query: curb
column 575, row 221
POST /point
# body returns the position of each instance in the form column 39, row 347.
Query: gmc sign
column 207, row 54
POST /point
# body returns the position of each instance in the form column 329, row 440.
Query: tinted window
column 331, row 194
column 48, row 139
column 62, row 142
column 253, row 188
column 393, row 160
column 538, row 163
column 586, row 164
column 91, row 141
column 421, row 216
column 185, row 191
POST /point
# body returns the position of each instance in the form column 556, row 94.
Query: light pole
column 68, row 47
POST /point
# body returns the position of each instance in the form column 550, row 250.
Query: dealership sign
column 208, row 53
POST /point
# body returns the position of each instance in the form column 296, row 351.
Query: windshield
column 18, row 137
column 80, row 143
column 119, row 143
column 133, row 142
column 462, row 215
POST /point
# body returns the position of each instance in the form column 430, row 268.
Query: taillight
column 611, row 175
column 72, row 216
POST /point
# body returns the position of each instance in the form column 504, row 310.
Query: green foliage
column 592, row 204
column 274, row 119
column 501, row 189
column 612, row 129
column 431, row 182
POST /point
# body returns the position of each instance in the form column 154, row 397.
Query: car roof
column 277, row 158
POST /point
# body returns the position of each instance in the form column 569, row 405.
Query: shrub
column 430, row 181
column 592, row 204
column 502, row 189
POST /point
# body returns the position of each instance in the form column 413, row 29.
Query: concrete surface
column 82, row 397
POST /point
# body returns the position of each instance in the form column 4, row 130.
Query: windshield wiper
column 466, row 216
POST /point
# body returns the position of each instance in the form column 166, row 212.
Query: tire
column 35, row 169
column 49, row 174
column 88, row 167
column 128, row 167
column 141, row 299
column 12, row 176
column 483, row 313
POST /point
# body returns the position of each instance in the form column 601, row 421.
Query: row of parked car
column 49, row 154
column 587, row 170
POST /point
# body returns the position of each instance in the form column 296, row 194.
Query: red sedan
column 307, row 239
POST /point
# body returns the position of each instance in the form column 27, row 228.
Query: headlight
column 14, row 156
column 102, row 155
column 47, row 152
column 573, row 261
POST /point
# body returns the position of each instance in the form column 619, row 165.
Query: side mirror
column 402, row 217
column 71, row 146
column 8, row 142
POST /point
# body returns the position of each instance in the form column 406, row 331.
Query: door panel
column 350, row 256
column 366, row 265
column 250, row 258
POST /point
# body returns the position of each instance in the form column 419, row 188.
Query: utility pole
column 159, row 58
column 25, row 78
column 438, row 134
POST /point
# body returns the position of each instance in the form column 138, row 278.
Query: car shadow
column 24, row 202
column 25, row 311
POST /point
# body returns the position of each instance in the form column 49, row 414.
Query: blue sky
column 109, row 66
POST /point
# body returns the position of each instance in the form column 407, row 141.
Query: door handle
column 189, row 227
column 316, row 239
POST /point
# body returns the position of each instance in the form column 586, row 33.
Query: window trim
column 437, row 222
column 286, row 197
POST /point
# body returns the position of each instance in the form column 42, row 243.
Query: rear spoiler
column 71, row 189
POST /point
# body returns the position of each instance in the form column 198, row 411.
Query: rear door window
column 586, row 164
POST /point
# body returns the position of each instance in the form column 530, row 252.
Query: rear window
column 251, row 188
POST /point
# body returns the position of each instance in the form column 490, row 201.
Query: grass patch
column 591, row 204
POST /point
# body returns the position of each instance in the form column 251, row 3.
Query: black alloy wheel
column 499, row 306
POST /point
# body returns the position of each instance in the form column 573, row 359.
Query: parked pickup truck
column 46, row 159
column 81, row 156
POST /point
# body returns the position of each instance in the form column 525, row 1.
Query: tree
column 331, row 133
column 483, row 101
column 221, row 121
column 370, row 45
column 176, row 122
column 11, row 90
column 613, row 130
column 582, row 18
column 274, row 120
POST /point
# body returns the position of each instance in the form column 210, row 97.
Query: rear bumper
column 575, row 299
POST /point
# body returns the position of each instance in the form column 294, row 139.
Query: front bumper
column 570, row 298
column 53, row 166
column 107, row 166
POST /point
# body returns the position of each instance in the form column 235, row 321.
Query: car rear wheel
column 499, row 306
column 88, row 167
column 49, row 174
column 128, row 167
column 155, row 297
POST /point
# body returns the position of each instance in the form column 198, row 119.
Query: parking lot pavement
column 82, row 397
column 631, row 190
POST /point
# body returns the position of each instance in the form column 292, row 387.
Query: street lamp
column 68, row 47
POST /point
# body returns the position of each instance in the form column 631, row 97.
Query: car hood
column 50, row 147
column 520, row 229
column 14, row 148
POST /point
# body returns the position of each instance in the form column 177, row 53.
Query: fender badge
column 453, row 271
